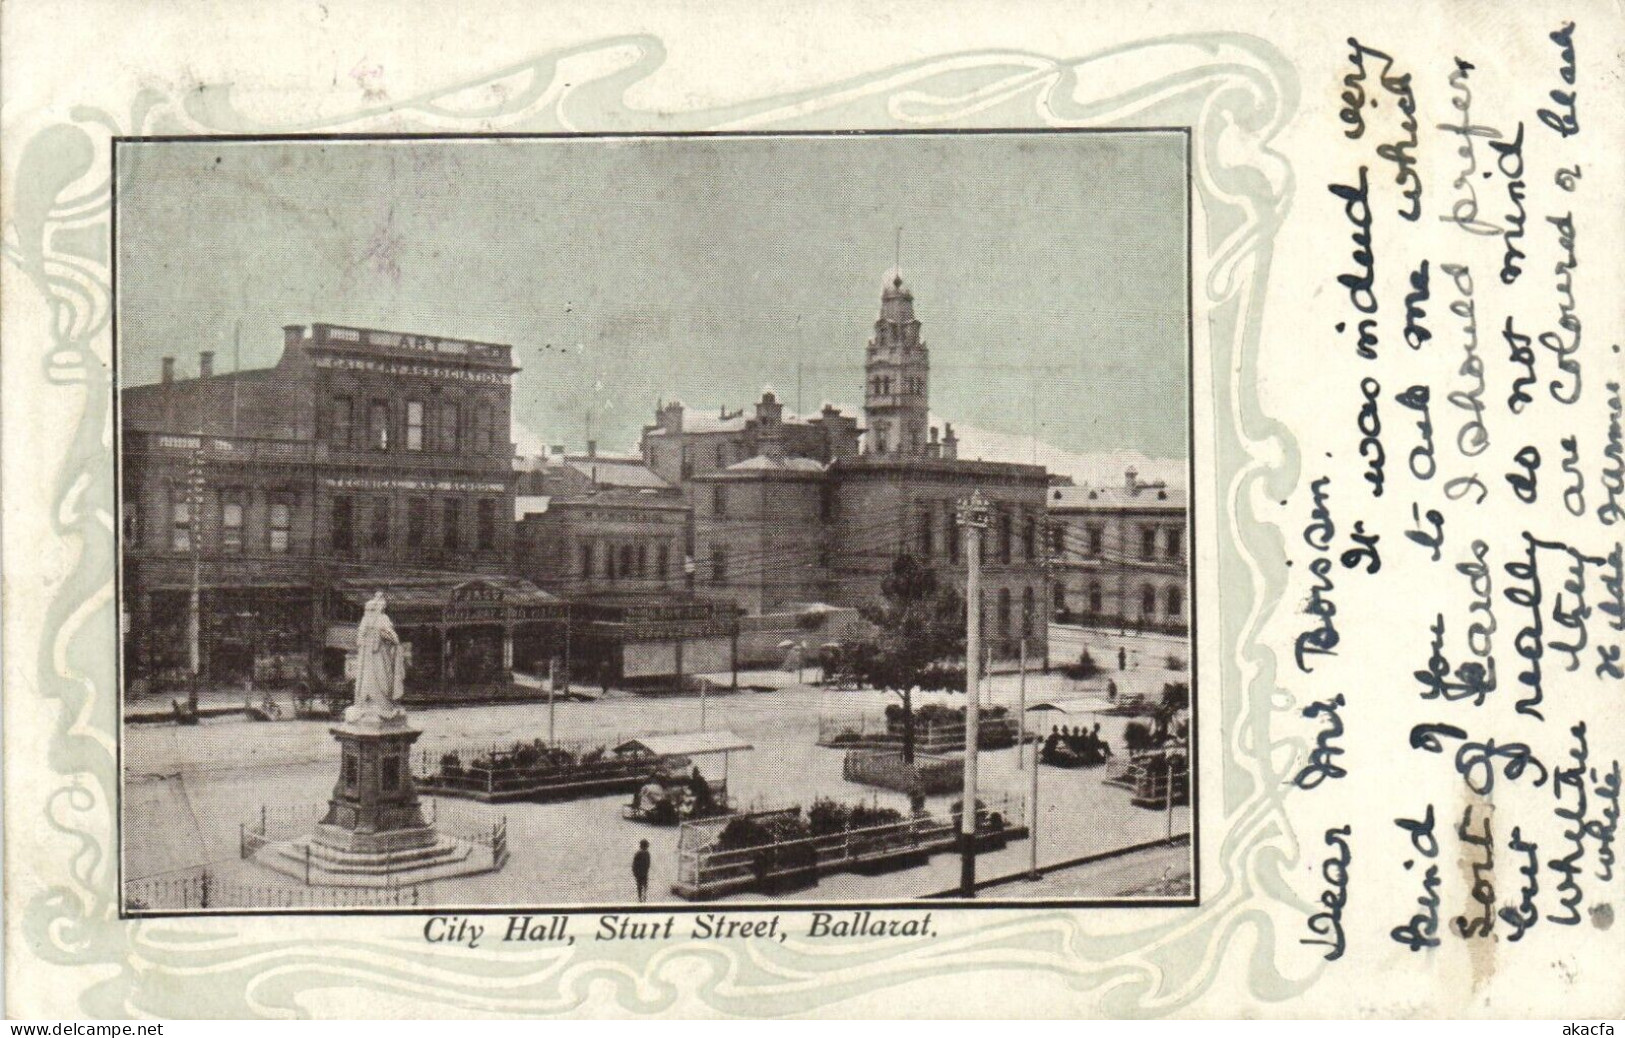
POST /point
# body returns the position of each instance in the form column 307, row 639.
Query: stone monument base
column 317, row 863
column 374, row 833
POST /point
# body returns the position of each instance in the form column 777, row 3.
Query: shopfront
column 463, row 635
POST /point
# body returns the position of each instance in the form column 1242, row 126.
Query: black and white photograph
column 592, row 522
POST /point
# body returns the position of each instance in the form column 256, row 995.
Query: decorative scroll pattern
column 1234, row 92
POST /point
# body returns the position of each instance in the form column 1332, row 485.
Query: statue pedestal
column 374, row 808
column 374, row 833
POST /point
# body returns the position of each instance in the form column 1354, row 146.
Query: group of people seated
column 1076, row 745
column 673, row 797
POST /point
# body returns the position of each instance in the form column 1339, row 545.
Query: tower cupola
column 897, row 369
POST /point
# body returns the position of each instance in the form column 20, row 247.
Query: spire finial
column 897, row 265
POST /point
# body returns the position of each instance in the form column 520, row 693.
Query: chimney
column 205, row 364
column 768, row 410
column 592, row 448
column 950, row 442
column 1131, row 479
column 291, row 334
column 169, row 369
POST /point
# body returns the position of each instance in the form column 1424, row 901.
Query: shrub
column 451, row 764
column 1085, row 668
column 1176, row 696
column 1137, row 736
column 1174, row 663
column 827, row 816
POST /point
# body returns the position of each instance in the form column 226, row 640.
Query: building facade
column 682, row 444
column 249, row 498
column 1122, row 555
column 810, row 518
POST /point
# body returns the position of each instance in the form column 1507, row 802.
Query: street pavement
column 188, row 789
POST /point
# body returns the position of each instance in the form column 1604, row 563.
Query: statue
column 380, row 669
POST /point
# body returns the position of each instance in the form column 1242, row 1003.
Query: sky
column 1048, row 270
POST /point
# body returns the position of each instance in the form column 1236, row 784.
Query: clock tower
column 897, row 367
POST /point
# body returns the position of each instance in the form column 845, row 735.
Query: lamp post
column 973, row 516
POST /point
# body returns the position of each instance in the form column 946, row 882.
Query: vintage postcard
column 530, row 512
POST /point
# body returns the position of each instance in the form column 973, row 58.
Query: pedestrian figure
column 1111, row 691
column 1122, row 658
column 603, row 676
column 640, row 870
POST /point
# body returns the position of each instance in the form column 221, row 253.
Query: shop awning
column 410, row 592
column 1069, row 706
column 687, row 744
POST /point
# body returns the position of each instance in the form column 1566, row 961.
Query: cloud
column 1098, row 468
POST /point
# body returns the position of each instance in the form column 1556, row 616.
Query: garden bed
column 787, row 849
column 928, row 774
column 538, row 772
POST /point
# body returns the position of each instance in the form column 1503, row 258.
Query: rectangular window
column 451, row 531
column 927, row 535
column 1173, row 546
column 417, row 522
column 342, row 421
column 487, row 441
column 609, row 561
column 954, row 535
column 1057, row 540
column 450, row 416
column 180, row 515
column 1029, row 539
column 380, row 522
column 686, row 467
column 1148, row 542
column 231, row 520
column 343, row 524
column 662, row 561
column 719, row 564
column 378, row 425
column 487, row 525
column 1097, row 536
column 719, row 500
column 281, row 526
column 586, row 560
column 1004, row 537
column 643, row 560
column 414, row 425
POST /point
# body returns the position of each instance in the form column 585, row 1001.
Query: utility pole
column 973, row 516
column 1021, row 709
column 552, row 680
column 194, row 608
column 1032, row 819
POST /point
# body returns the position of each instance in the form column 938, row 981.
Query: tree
column 919, row 626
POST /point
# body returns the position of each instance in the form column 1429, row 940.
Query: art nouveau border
column 1235, row 92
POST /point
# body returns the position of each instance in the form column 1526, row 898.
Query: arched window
column 1029, row 606
column 1148, row 601
column 1095, row 599
column 1004, row 612
column 1172, row 600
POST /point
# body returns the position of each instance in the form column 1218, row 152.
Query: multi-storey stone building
column 781, row 521
column 278, row 499
column 1122, row 554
